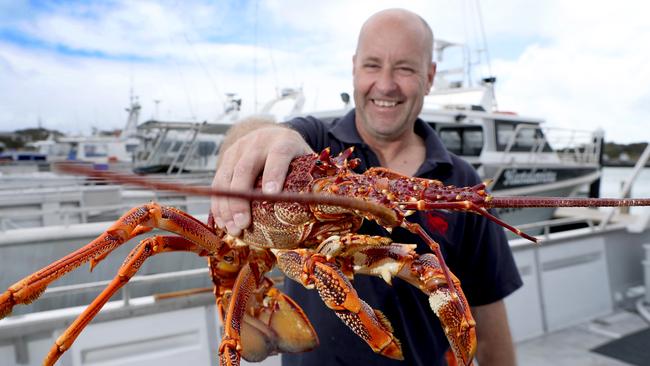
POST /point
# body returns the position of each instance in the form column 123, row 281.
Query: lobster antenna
column 523, row 202
column 384, row 215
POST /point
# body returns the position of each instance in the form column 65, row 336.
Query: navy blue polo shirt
column 475, row 249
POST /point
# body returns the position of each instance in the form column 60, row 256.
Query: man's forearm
column 495, row 345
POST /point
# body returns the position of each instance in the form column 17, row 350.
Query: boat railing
column 77, row 215
column 24, row 183
column 580, row 146
column 547, row 225
column 14, row 327
column 629, row 182
column 569, row 145
column 149, row 279
column 27, row 182
column 185, row 151
column 179, row 146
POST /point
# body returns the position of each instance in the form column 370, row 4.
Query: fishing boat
column 101, row 149
column 180, row 147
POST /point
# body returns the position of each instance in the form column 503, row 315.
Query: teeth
column 384, row 103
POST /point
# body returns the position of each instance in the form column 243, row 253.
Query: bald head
column 406, row 21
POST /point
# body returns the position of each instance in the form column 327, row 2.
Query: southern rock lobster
column 308, row 231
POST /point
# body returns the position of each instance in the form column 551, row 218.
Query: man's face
column 392, row 74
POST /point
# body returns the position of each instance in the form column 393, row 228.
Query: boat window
column 164, row 146
column 451, row 140
column 97, row 150
column 205, row 148
column 131, row 148
column 529, row 137
column 176, row 146
column 472, row 141
column 59, row 149
column 466, row 141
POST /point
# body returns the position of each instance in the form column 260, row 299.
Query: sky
column 71, row 65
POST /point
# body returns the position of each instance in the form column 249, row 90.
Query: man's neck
column 404, row 155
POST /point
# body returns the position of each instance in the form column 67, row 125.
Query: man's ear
column 431, row 74
column 354, row 63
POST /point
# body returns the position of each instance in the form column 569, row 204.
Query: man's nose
column 386, row 81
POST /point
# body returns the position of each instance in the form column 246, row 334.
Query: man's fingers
column 220, row 205
column 214, row 205
column 275, row 171
column 244, row 174
column 270, row 148
column 278, row 160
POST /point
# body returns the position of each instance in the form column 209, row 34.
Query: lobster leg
column 147, row 248
column 287, row 320
column 378, row 257
column 272, row 323
column 230, row 348
column 138, row 220
column 426, row 273
column 313, row 270
column 435, row 248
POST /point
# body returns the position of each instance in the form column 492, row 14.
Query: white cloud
column 578, row 62
column 591, row 71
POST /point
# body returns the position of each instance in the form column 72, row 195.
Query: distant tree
column 634, row 150
column 20, row 138
column 37, row 134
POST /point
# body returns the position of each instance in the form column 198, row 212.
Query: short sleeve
column 312, row 130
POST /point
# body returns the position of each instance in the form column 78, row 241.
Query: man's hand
column 267, row 149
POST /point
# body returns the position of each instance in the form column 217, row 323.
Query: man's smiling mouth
column 385, row 103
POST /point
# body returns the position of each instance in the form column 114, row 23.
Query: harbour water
column 612, row 181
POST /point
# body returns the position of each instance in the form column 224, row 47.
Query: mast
column 132, row 120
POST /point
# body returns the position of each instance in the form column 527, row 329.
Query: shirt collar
column 345, row 131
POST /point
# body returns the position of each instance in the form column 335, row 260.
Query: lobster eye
column 318, row 162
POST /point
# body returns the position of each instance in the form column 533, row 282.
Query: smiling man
column 392, row 72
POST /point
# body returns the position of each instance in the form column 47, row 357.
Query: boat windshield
column 464, row 141
column 520, row 137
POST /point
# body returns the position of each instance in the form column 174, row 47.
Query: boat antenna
column 131, row 127
column 157, row 102
column 484, row 38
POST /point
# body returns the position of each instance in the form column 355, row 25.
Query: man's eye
column 371, row 66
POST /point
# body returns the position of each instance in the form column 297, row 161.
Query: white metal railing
column 151, row 279
column 580, row 146
column 548, row 225
column 629, row 182
column 53, row 182
column 15, row 328
column 577, row 146
column 9, row 220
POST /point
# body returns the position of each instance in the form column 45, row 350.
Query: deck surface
column 572, row 346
